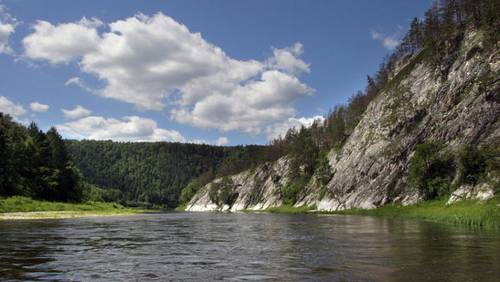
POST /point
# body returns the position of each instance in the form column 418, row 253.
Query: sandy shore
column 59, row 214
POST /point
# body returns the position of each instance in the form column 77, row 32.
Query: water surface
column 242, row 247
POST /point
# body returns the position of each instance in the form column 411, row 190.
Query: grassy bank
column 181, row 208
column 26, row 208
column 290, row 209
column 470, row 213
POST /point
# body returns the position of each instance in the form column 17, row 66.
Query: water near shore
column 276, row 247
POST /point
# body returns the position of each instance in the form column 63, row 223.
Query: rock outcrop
column 461, row 107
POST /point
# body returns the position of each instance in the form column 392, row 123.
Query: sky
column 218, row 72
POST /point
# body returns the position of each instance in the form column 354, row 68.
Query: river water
column 243, row 247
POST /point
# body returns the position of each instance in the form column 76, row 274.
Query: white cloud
column 279, row 129
column 287, row 59
column 7, row 27
column 154, row 62
column 77, row 112
column 388, row 41
column 61, row 43
column 5, row 31
column 78, row 82
column 133, row 128
column 248, row 107
column 222, row 141
column 39, row 108
column 11, row 108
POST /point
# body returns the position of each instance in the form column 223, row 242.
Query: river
column 243, row 247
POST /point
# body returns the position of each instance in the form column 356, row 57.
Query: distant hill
column 155, row 173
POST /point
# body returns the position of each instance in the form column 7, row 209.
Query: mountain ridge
column 371, row 169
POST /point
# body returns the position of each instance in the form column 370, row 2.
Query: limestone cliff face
column 461, row 107
column 255, row 189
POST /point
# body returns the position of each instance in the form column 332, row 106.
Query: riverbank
column 470, row 213
column 16, row 208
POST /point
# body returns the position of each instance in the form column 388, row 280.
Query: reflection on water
column 208, row 246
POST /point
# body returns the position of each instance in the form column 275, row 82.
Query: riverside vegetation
column 421, row 137
column 19, row 207
column 425, row 127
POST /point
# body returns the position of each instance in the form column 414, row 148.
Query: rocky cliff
column 456, row 102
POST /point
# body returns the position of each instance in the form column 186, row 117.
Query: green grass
column 181, row 208
column 18, row 204
column 470, row 213
column 289, row 209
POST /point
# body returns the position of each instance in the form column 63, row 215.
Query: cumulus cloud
column 287, row 59
column 222, row 141
column 77, row 112
column 11, row 108
column 7, row 27
column 133, row 128
column 388, row 41
column 279, row 129
column 62, row 43
column 154, row 61
column 38, row 107
column 248, row 107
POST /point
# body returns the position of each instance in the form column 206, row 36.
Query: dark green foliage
column 239, row 158
column 491, row 153
column 290, row 193
column 478, row 164
column 36, row 164
column 431, row 170
column 433, row 167
column 221, row 193
column 304, row 153
column 323, row 170
column 145, row 173
column 189, row 191
column 92, row 193
column 471, row 165
column 155, row 173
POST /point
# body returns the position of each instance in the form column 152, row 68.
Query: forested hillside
column 155, row 173
column 36, row 164
column 426, row 126
column 436, row 41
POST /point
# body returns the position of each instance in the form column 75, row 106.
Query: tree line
column 36, row 164
column 154, row 173
column 434, row 39
column 438, row 36
column 42, row 165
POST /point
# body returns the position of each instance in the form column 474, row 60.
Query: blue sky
column 140, row 71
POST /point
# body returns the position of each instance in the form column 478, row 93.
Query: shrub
column 431, row 170
column 291, row 191
column 112, row 195
column 92, row 193
column 471, row 164
column 221, row 192
column 323, row 169
column 189, row 191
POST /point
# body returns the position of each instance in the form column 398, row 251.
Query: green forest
column 155, row 173
column 43, row 166
column 36, row 164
